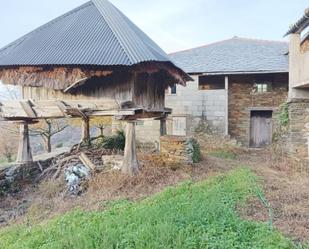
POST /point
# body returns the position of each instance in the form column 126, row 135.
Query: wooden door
column 260, row 129
column 179, row 126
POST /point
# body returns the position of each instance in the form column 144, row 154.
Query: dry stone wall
column 179, row 149
column 298, row 133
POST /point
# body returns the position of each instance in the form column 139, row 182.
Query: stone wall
column 177, row 149
column 298, row 132
column 148, row 131
column 305, row 46
column 14, row 175
column 243, row 98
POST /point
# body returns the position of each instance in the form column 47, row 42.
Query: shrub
column 194, row 150
column 116, row 142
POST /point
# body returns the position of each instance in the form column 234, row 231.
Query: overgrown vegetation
column 116, row 142
column 193, row 148
column 283, row 123
column 224, row 154
column 200, row 215
column 284, row 115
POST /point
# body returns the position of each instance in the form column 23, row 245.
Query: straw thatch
column 57, row 78
column 61, row 77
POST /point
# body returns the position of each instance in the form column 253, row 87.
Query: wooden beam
column 130, row 163
column 87, row 162
column 28, row 109
column 76, row 84
column 63, row 108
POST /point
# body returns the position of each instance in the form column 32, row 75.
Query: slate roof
column 235, row 55
column 96, row 33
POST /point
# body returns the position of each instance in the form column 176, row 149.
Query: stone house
column 238, row 87
column 298, row 133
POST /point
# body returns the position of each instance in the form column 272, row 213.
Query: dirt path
column 286, row 189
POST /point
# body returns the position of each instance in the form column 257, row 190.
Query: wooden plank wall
column 145, row 90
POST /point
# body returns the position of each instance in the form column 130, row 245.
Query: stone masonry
column 305, row 46
column 243, row 98
column 298, row 133
column 176, row 149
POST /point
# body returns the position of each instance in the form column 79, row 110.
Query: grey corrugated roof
column 96, row 33
column 234, row 55
column 301, row 24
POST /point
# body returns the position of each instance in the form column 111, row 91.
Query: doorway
column 260, row 129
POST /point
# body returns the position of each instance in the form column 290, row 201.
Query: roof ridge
column 262, row 40
column 94, row 2
column 133, row 29
column 228, row 39
column 57, row 19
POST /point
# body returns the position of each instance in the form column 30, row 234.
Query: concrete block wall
column 193, row 103
column 148, row 131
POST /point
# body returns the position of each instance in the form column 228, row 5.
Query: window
column 215, row 82
column 263, row 87
column 173, row 89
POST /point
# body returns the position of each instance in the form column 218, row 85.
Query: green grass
column 201, row 215
column 223, row 154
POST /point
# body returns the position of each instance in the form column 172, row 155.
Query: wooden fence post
column 130, row 163
column 24, row 154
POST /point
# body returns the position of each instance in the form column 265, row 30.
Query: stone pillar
column 24, row 154
column 130, row 163
column 163, row 131
column 85, row 131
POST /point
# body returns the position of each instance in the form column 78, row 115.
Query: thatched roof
column 95, row 34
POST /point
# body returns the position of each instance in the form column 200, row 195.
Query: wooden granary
column 91, row 61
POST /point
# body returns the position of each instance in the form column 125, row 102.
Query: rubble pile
column 75, row 167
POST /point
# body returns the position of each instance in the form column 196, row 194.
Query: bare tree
column 46, row 129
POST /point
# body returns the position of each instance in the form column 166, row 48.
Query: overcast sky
column 173, row 24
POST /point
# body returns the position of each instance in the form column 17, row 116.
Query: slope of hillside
column 192, row 215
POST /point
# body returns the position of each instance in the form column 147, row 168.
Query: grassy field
column 192, row 215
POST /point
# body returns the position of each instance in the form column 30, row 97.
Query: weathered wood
column 87, row 162
column 24, row 154
column 130, row 163
column 76, row 84
column 85, row 131
column 260, row 129
column 28, row 109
